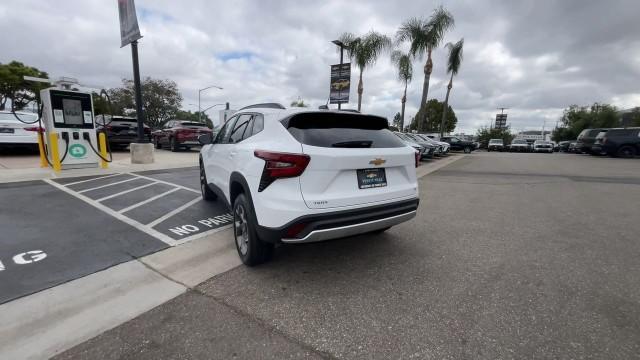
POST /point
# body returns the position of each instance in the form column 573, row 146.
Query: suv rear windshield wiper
column 353, row 144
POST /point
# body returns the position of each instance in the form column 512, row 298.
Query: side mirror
column 205, row 139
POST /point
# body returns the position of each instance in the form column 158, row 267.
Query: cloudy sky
column 534, row 57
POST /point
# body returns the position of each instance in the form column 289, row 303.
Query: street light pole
column 199, row 96
column 138, row 91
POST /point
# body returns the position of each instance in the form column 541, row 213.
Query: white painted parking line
column 148, row 200
column 167, row 183
column 107, row 185
column 92, row 179
column 126, row 191
column 173, row 212
column 142, row 227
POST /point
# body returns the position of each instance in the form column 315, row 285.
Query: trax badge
column 377, row 162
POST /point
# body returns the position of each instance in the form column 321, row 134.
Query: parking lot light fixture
column 199, row 96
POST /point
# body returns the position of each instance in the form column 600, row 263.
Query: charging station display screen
column 72, row 110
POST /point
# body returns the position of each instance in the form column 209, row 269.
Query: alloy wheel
column 241, row 229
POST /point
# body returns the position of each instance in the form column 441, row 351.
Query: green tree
column 161, row 100
column 485, row 134
column 577, row 118
column 298, row 103
column 405, row 73
column 13, row 86
column 430, row 122
column 635, row 117
column 453, row 66
column 424, row 36
column 364, row 50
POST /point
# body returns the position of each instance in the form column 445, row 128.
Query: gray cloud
column 534, row 57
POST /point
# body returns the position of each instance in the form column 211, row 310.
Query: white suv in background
column 297, row 176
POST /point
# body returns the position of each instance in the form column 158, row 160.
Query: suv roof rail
column 264, row 106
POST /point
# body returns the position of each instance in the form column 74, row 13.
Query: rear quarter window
column 341, row 130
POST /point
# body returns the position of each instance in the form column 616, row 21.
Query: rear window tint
column 184, row 123
column 621, row 132
column 327, row 129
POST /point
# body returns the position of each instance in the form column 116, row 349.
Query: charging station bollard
column 43, row 158
column 102, row 141
column 55, row 155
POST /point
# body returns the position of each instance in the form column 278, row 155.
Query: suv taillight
column 417, row 157
column 280, row 165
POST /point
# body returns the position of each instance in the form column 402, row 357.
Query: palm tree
column 424, row 36
column 364, row 50
column 453, row 66
column 405, row 73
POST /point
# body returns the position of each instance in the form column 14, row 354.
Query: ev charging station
column 71, row 141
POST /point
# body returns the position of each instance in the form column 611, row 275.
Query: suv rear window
column 341, row 130
column 187, row 123
column 621, row 132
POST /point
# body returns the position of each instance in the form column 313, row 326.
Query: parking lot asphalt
column 55, row 231
column 510, row 256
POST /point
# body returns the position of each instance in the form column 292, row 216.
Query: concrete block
column 141, row 153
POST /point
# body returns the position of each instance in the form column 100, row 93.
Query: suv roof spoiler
column 264, row 106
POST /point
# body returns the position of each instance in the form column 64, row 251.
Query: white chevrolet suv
column 297, row 176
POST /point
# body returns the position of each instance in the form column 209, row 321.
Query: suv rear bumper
column 333, row 225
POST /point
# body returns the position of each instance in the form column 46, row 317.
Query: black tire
column 156, row 143
column 173, row 144
column 626, row 151
column 467, row 149
column 205, row 190
column 254, row 251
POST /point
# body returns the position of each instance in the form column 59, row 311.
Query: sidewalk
column 27, row 167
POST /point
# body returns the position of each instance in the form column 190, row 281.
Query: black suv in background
column 586, row 139
column 120, row 130
column 623, row 143
column 457, row 144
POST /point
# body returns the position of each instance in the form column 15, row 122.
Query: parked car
column 623, row 143
column 586, row 139
column 519, row 145
column 458, row 144
column 564, row 146
column 542, row 146
column 120, row 130
column 495, row 145
column 437, row 149
column 573, row 147
column 298, row 176
column 555, row 145
column 16, row 133
column 445, row 146
column 423, row 151
column 177, row 134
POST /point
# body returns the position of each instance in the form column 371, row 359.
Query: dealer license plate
column 371, row 178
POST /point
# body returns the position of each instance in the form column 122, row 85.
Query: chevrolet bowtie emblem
column 377, row 162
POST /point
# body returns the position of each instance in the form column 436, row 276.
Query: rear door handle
column 232, row 153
